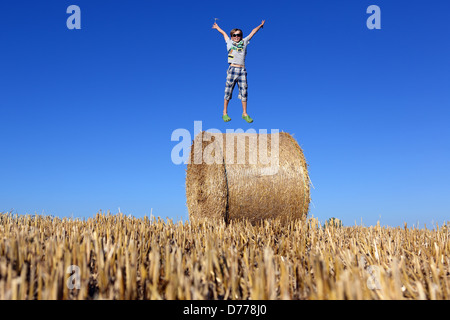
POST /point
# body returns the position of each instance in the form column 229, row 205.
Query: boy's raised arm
column 256, row 30
column 216, row 26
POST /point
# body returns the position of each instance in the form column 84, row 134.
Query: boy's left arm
column 254, row 31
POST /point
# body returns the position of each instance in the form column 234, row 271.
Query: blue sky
column 87, row 115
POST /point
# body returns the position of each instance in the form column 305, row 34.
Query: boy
column 237, row 50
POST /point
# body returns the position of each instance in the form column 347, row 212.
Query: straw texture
column 269, row 180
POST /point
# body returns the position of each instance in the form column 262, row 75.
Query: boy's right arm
column 216, row 26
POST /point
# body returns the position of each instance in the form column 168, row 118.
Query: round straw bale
column 234, row 176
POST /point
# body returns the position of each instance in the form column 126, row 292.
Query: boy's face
column 236, row 36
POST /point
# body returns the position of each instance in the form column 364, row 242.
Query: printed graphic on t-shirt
column 236, row 47
column 230, row 54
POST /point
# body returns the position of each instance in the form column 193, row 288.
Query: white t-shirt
column 236, row 52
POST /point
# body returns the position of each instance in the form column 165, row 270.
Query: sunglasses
column 237, row 35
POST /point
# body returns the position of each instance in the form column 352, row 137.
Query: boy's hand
column 216, row 26
column 256, row 30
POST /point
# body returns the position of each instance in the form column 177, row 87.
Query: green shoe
column 226, row 118
column 247, row 118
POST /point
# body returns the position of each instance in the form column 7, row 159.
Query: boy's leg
column 229, row 86
column 242, row 82
column 244, row 108
column 225, row 106
column 245, row 116
column 225, row 116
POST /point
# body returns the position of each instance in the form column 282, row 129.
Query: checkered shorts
column 239, row 75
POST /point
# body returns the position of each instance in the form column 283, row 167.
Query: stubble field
column 123, row 257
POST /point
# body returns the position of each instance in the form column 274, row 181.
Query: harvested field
column 120, row 257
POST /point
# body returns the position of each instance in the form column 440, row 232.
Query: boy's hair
column 234, row 30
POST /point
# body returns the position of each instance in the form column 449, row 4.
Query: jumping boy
column 237, row 49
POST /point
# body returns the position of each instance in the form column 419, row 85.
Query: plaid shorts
column 239, row 75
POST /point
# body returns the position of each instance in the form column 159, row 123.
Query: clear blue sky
column 87, row 115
